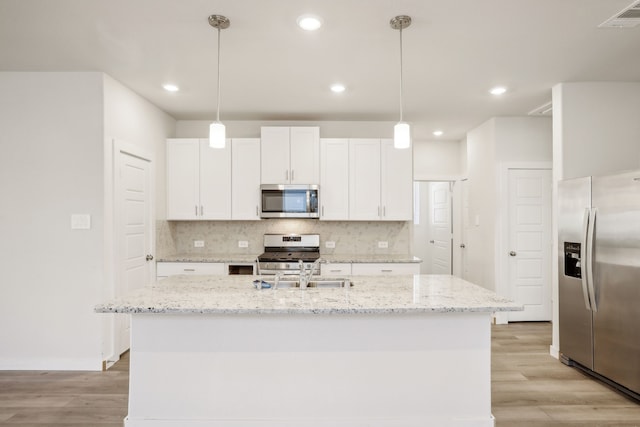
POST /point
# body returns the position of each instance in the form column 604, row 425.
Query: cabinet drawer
column 164, row 269
column 333, row 269
column 385, row 268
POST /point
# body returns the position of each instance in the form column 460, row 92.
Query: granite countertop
column 242, row 258
column 231, row 295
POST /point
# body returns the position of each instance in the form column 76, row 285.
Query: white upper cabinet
column 334, row 179
column 380, row 181
column 245, row 178
column 396, row 182
column 198, row 180
column 290, row 155
column 364, row 179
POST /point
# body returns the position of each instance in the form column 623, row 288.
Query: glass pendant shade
column 401, row 135
column 217, row 135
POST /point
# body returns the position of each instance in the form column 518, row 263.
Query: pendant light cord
column 401, row 85
column 218, row 107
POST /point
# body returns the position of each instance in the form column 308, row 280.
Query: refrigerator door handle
column 584, row 256
column 590, row 251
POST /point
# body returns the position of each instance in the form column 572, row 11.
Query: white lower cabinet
column 166, row 269
column 385, row 268
column 332, row 269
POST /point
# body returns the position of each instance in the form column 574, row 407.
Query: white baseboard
column 37, row 364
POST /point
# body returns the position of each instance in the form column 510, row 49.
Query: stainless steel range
column 283, row 253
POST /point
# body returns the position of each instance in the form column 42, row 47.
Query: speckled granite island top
column 367, row 295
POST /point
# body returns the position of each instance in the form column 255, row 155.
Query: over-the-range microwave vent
column 629, row 17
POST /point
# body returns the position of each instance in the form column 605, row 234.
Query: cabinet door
column 215, row 181
column 396, row 182
column 245, row 178
column 305, row 155
column 183, row 179
column 274, row 146
column 334, row 179
column 364, row 179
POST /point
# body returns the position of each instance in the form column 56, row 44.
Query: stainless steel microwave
column 289, row 201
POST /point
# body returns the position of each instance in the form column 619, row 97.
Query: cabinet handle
column 286, row 175
column 196, row 210
column 378, row 210
column 189, row 269
column 386, row 271
column 292, row 175
column 384, row 211
column 256, row 211
column 323, row 210
column 335, row 271
column 201, row 210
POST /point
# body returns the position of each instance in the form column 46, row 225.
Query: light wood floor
column 529, row 389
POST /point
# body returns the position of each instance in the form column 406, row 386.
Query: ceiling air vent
column 626, row 18
column 543, row 110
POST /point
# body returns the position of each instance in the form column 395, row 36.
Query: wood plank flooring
column 529, row 389
column 532, row 389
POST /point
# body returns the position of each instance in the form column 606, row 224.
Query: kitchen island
column 386, row 351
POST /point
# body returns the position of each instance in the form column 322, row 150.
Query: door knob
column 432, row 241
column 462, row 245
column 149, row 257
column 512, row 253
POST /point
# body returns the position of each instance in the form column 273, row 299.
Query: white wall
column 51, row 167
column 132, row 120
column 436, row 161
column 494, row 145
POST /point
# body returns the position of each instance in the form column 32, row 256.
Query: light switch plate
column 329, row 244
column 383, row 245
column 243, row 244
column 198, row 243
column 80, row 222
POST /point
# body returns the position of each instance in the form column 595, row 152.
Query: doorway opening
column 433, row 226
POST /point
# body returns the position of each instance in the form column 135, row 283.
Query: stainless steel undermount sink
column 316, row 283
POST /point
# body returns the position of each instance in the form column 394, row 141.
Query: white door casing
column 529, row 243
column 464, row 229
column 134, row 237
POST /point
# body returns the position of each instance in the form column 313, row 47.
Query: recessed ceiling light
column 309, row 22
column 338, row 88
column 438, row 132
column 170, row 87
column 498, row 90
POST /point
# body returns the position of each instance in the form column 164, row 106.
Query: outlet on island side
column 198, row 243
column 243, row 244
column 383, row 244
column 330, row 244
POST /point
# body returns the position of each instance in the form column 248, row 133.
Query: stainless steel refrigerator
column 599, row 277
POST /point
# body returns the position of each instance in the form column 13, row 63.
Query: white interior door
column 134, row 236
column 530, row 243
column 440, row 227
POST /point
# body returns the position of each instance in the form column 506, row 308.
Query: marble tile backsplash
column 350, row 237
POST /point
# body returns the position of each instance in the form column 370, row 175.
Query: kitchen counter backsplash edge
column 334, row 258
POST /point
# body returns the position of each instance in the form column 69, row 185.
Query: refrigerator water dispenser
column 572, row 264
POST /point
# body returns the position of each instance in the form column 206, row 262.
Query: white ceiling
column 454, row 51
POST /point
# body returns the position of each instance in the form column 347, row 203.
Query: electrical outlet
column 382, row 244
column 329, row 244
column 243, row 244
column 198, row 243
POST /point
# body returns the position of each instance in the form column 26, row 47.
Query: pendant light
column 217, row 134
column 401, row 131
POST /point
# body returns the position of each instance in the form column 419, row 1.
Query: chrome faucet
column 307, row 275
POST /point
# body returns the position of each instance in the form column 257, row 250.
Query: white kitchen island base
column 311, row 370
